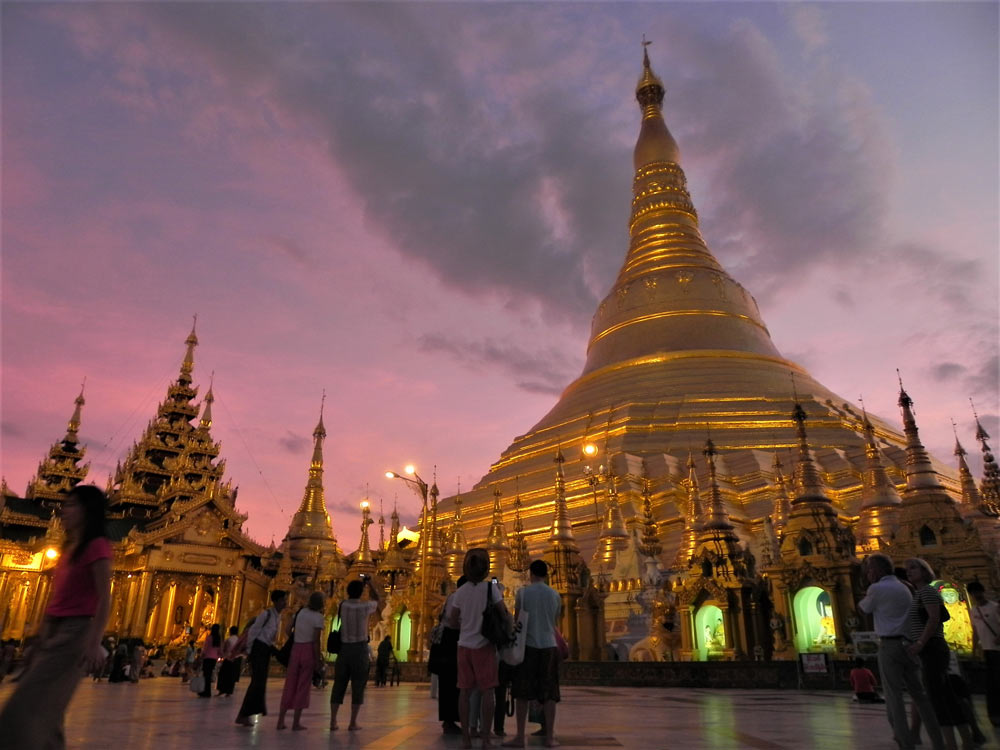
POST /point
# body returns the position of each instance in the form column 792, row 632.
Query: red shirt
column 862, row 680
column 73, row 590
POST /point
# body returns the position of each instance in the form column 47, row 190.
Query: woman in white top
column 306, row 658
column 354, row 658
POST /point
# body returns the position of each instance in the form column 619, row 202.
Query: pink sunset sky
column 418, row 206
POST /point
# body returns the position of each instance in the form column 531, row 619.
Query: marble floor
column 162, row 714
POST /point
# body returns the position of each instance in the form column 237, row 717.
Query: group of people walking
column 470, row 673
column 305, row 660
column 914, row 657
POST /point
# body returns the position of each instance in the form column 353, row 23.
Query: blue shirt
column 543, row 605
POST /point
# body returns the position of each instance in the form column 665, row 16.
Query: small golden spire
column 877, row 490
column 651, row 546
column 649, row 90
column 718, row 517
column 807, row 480
column 206, row 416
column 989, row 489
column 782, row 505
column 970, row 493
column 562, row 530
column 364, row 554
column 920, row 473
column 73, row 427
column 517, row 559
column 187, row 365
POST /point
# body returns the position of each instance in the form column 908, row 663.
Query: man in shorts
column 477, row 657
column 537, row 677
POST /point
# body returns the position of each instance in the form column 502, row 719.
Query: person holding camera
column 355, row 657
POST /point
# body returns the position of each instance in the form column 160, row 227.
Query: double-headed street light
column 417, row 653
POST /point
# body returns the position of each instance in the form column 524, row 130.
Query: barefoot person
column 261, row 639
column 355, row 657
column 477, row 657
column 69, row 644
column 306, row 658
column 537, row 677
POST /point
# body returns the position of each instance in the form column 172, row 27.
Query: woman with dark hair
column 306, row 658
column 69, row 643
column 227, row 670
column 925, row 632
column 210, row 654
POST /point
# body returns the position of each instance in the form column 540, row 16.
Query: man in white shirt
column 261, row 639
column 888, row 600
column 477, row 657
column 986, row 622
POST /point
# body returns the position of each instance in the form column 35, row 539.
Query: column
column 138, row 627
column 235, row 615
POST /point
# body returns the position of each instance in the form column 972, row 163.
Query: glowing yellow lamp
column 51, row 553
column 589, row 450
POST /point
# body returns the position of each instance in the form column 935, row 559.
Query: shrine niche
column 958, row 628
column 815, row 629
column 710, row 633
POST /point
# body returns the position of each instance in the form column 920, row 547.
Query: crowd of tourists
column 914, row 658
column 485, row 659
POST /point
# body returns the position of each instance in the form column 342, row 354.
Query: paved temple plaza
column 162, row 714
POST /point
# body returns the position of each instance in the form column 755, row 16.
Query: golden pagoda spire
column 651, row 546
column 920, row 473
column 393, row 563
column 562, row 530
column 877, row 490
column 613, row 537
column 187, row 365
column 496, row 541
column 878, row 515
column 364, row 553
column 808, row 485
column 655, row 143
column 970, row 492
column 433, row 533
column 206, row 415
column 990, row 487
column 782, row 505
column 693, row 519
column 381, row 527
column 517, row 559
column 73, row 426
column 718, row 517
column 311, row 525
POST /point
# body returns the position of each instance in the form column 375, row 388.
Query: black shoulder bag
column 494, row 627
column 334, row 638
column 284, row 654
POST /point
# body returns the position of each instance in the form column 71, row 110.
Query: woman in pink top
column 211, row 652
column 69, row 642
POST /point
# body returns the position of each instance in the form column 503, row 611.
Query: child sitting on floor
column 863, row 683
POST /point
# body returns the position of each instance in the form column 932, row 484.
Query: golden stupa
column 679, row 352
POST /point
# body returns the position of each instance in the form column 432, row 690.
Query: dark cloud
column 9, row 429
column 287, row 248
column 546, row 371
column 947, row 371
column 293, row 443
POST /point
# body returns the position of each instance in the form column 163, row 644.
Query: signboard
column 813, row 663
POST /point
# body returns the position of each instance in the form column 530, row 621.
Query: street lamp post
column 417, row 653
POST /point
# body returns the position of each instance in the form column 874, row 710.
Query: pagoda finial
column 718, row 518
column 381, row 526
column 877, row 489
column 497, row 537
column 919, row 471
column 562, row 530
column 319, row 435
column 320, row 430
column 187, row 365
column 807, row 480
column 206, row 416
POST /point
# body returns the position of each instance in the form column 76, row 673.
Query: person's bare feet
column 298, row 727
column 353, row 727
column 516, row 742
column 281, row 725
column 334, row 726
